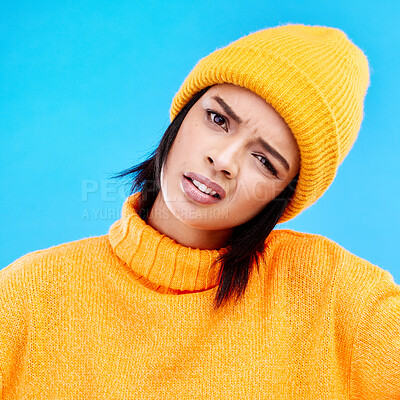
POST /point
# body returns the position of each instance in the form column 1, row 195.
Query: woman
column 192, row 294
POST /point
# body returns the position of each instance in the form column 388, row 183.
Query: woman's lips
column 194, row 193
column 208, row 182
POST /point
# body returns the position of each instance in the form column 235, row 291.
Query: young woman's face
column 232, row 155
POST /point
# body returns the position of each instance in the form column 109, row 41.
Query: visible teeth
column 204, row 188
column 196, row 183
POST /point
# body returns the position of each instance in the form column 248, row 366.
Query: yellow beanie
column 313, row 76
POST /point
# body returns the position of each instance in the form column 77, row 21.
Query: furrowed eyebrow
column 227, row 109
column 273, row 153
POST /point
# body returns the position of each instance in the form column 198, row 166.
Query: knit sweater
column 129, row 315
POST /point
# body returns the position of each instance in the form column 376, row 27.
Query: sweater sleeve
column 13, row 326
column 376, row 353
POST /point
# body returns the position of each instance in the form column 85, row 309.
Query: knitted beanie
column 313, row 76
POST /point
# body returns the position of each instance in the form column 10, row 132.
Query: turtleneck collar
column 158, row 258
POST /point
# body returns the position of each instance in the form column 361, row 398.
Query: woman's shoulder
column 319, row 255
column 309, row 245
column 54, row 261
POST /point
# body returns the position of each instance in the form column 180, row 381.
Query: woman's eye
column 265, row 162
column 218, row 119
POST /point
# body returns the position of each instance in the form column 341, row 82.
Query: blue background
column 86, row 89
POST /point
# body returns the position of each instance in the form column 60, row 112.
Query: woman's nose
column 225, row 159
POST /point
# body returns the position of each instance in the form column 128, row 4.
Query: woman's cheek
column 263, row 192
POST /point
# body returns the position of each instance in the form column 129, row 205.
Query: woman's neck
column 165, row 222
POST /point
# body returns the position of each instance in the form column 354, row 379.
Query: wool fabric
column 313, row 76
column 129, row 315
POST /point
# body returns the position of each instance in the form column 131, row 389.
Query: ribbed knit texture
column 129, row 316
column 313, row 76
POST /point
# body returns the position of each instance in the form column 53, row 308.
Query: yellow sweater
column 129, row 315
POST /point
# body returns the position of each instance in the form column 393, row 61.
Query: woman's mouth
column 201, row 189
column 205, row 189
